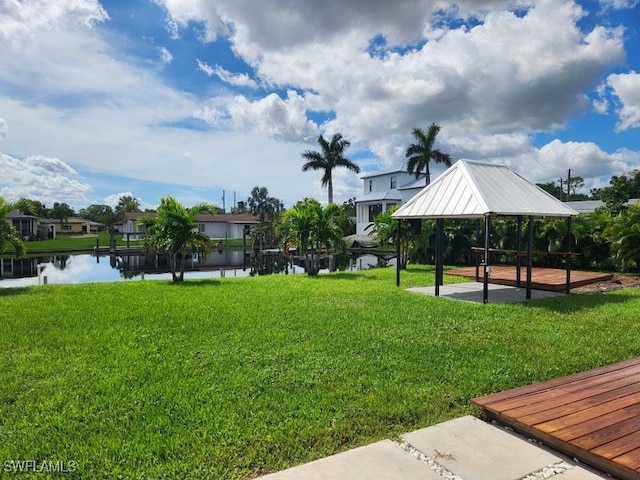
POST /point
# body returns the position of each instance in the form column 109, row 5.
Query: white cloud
column 236, row 79
column 39, row 178
column 4, row 128
column 626, row 86
column 165, row 55
column 585, row 159
column 280, row 119
column 20, row 19
column 620, row 4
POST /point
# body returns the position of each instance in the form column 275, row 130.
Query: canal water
column 87, row 268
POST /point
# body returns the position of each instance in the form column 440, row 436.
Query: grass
column 233, row 378
column 81, row 243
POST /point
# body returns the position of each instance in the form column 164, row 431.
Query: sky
column 193, row 98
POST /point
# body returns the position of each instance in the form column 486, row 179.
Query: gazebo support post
column 487, row 235
column 529, row 256
column 441, row 269
column 476, row 255
column 519, row 249
column 569, row 250
column 439, row 225
column 398, row 233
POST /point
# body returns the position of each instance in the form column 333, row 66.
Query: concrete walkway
column 461, row 449
column 472, row 292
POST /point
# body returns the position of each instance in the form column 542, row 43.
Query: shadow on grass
column 204, row 282
column 12, row 291
column 583, row 301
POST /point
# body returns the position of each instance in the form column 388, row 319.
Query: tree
column 174, row 231
column 331, row 156
column 263, row 206
column 9, row 236
column 61, row 211
column 422, row 152
column 624, row 235
column 385, row 228
column 312, row 229
column 99, row 213
column 127, row 204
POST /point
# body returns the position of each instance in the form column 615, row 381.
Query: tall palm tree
column 174, row 230
column 422, row 152
column 8, row 233
column 331, row 156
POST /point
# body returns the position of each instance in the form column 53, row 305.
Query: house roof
column 419, row 183
column 203, row 217
column 472, row 189
column 379, row 196
column 18, row 214
column 397, row 169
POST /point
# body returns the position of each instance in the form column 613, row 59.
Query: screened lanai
column 486, row 191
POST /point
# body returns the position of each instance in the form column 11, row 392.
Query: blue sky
column 192, row 97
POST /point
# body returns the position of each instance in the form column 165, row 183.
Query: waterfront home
column 30, row 227
column 221, row 226
column 382, row 191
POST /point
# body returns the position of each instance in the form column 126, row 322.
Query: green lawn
column 70, row 242
column 232, row 378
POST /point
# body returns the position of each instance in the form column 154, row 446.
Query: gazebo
column 481, row 190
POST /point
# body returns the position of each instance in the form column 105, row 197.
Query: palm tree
column 8, row 233
column 312, row 228
column 422, row 152
column 174, row 230
column 331, row 156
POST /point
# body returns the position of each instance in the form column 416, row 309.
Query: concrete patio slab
column 476, row 450
column 578, row 473
column 472, row 292
column 384, row 460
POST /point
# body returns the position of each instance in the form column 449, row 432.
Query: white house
column 383, row 190
column 221, row 226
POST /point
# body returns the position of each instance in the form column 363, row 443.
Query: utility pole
column 223, row 208
column 569, row 185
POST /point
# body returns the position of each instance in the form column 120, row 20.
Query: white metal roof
column 472, row 189
column 379, row 196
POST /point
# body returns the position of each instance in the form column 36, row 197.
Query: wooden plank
column 488, row 400
column 587, row 403
column 582, row 415
column 592, row 425
column 618, row 447
column 570, row 392
column 553, row 279
column 630, row 460
column 608, row 434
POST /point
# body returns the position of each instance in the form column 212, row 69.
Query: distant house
column 221, row 226
column 30, row 227
column 589, row 206
column 382, row 191
column 75, row 225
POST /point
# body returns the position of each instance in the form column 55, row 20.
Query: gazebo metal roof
column 471, row 189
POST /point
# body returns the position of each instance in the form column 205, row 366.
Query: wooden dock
column 551, row 279
column 593, row 416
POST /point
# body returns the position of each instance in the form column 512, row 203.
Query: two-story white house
column 383, row 190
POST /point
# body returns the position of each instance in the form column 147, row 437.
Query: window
column 390, row 206
column 374, row 210
column 370, row 185
column 394, row 183
column 66, row 228
column 201, row 228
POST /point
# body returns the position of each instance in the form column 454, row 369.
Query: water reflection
column 87, row 268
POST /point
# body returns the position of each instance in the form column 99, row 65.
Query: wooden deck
column 551, row 279
column 593, row 416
